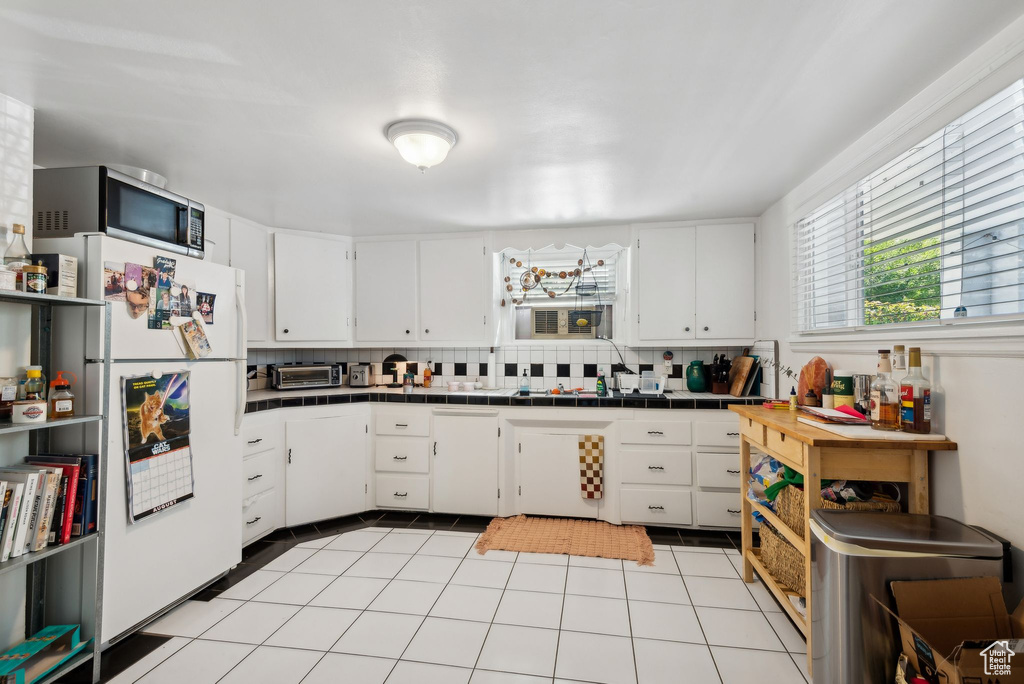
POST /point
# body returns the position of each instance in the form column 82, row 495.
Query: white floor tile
column 791, row 637
column 664, row 563
column 149, row 661
column 530, row 609
column 289, row 559
column 251, row 585
column 318, row 543
column 595, row 582
column 739, row 628
column 383, row 565
column 400, row 543
column 663, row 662
column 801, row 664
column 524, row 650
column 699, row 549
column 543, row 558
column 423, row 673
column 455, row 533
column 765, row 601
column 314, row 628
column 412, row 530
column 642, row 586
column 359, row 540
column 269, row 664
column 429, row 569
column 199, row 662
column 718, row 592
column 296, row 588
column 343, row 668
column 479, row 573
column 742, row 666
column 705, row 564
column 595, row 614
column 253, row 623
column 595, row 658
column 444, row 545
column 668, row 621
column 414, row 598
column 488, row 677
column 447, row 642
column 350, row 592
column 531, row 577
column 328, row 562
column 192, row 618
column 378, row 634
column 467, row 603
column 589, row 562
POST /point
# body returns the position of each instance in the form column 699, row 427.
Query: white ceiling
column 568, row 112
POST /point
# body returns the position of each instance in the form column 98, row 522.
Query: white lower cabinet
column 326, row 472
column 549, row 476
column 718, row 470
column 718, row 509
column 259, row 515
column 656, row 505
column 465, row 459
column 403, row 491
column 660, row 466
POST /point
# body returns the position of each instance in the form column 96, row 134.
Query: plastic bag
column 764, row 472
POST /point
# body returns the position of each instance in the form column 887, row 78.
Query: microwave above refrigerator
column 98, row 199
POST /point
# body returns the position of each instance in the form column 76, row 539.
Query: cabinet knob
column 406, row 332
column 705, row 328
column 427, row 330
column 286, row 330
column 687, row 328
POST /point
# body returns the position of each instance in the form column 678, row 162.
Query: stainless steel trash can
column 855, row 555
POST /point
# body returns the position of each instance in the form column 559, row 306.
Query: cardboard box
column 958, row 631
column 61, row 273
column 47, row 650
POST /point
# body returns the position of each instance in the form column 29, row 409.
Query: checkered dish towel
column 591, row 466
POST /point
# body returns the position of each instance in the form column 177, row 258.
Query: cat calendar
column 158, row 455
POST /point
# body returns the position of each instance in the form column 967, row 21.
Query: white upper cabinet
column 725, row 281
column 385, row 291
column 217, row 237
column 249, row 252
column 453, row 290
column 312, row 282
column 666, row 284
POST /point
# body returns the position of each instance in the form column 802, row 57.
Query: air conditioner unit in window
column 556, row 324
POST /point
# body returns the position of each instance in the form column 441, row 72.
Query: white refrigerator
column 164, row 557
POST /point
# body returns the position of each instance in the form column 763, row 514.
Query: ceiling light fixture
column 422, row 143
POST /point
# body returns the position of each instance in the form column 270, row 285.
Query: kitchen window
column 936, row 235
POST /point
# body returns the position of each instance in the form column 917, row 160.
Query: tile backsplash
column 546, row 366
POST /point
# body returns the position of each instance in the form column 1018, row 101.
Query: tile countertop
column 262, row 400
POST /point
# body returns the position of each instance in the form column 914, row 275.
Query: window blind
column 937, row 234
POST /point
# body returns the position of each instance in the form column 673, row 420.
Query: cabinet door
column 453, row 290
column 465, row 455
column 385, row 286
column 311, row 289
column 217, row 237
column 725, row 281
column 666, row 284
column 248, row 251
column 326, row 472
column 549, row 476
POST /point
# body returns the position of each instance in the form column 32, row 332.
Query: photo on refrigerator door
column 156, row 408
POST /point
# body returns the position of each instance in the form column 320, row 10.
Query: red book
column 71, row 472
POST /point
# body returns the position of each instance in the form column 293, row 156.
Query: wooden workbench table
column 818, row 454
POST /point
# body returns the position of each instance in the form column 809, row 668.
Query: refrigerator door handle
column 240, row 357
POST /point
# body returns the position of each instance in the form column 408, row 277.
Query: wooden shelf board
column 791, row 536
column 779, row 590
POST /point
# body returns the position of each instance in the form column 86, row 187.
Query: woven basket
column 789, row 506
column 783, row 561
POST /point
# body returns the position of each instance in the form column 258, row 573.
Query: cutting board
column 866, row 432
column 738, row 374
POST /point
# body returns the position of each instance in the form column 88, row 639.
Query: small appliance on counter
column 359, row 375
column 627, row 382
column 305, row 376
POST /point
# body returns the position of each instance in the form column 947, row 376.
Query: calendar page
column 159, row 476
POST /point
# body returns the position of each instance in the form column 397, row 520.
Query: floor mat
column 569, row 536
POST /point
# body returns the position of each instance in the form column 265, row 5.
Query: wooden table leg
column 812, row 496
column 918, row 485
column 746, row 511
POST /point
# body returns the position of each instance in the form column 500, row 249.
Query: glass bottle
column 885, row 402
column 916, row 397
column 427, row 375
column 62, row 401
column 899, row 363
column 524, row 385
column 17, row 255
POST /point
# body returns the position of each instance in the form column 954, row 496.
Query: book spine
column 5, row 502
column 13, row 509
column 69, row 505
column 46, row 510
column 56, row 535
column 76, row 524
column 91, row 512
column 25, row 518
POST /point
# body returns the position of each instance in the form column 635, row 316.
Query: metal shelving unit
column 91, row 545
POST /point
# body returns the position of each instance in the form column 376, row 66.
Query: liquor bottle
column 899, row 363
column 885, row 402
column 916, row 397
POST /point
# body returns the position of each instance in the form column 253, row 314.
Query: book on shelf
column 47, row 505
column 12, row 509
column 23, row 522
column 70, row 467
column 83, row 516
column 57, row 526
column 5, row 501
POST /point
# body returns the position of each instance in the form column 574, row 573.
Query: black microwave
column 97, row 199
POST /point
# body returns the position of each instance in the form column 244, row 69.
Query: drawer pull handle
column 732, row 434
column 254, row 520
column 401, row 494
column 655, row 467
column 402, row 425
column 255, row 441
column 655, row 432
column 656, row 508
column 732, row 472
column 254, row 477
column 402, row 458
column 733, row 511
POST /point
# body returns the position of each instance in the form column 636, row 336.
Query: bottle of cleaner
column 602, row 385
column 524, row 385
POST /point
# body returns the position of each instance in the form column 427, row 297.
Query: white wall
column 16, row 127
column 979, row 381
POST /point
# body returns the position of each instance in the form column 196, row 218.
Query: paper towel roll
column 492, row 372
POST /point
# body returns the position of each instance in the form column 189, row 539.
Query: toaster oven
column 305, row 376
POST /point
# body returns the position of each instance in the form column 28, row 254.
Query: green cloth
column 789, row 477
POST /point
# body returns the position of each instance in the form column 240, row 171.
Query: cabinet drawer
column 260, row 473
column 414, row 424
column 258, row 438
column 718, row 470
column 403, row 491
column 259, row 513
column 784, row 446
column 661, row 466
column 719, row 433
column 719, row 509
column 654, row 432
column 402, row 454
column 664, row 506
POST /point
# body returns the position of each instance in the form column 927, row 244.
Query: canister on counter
column 34, row 278
column 842, row 388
